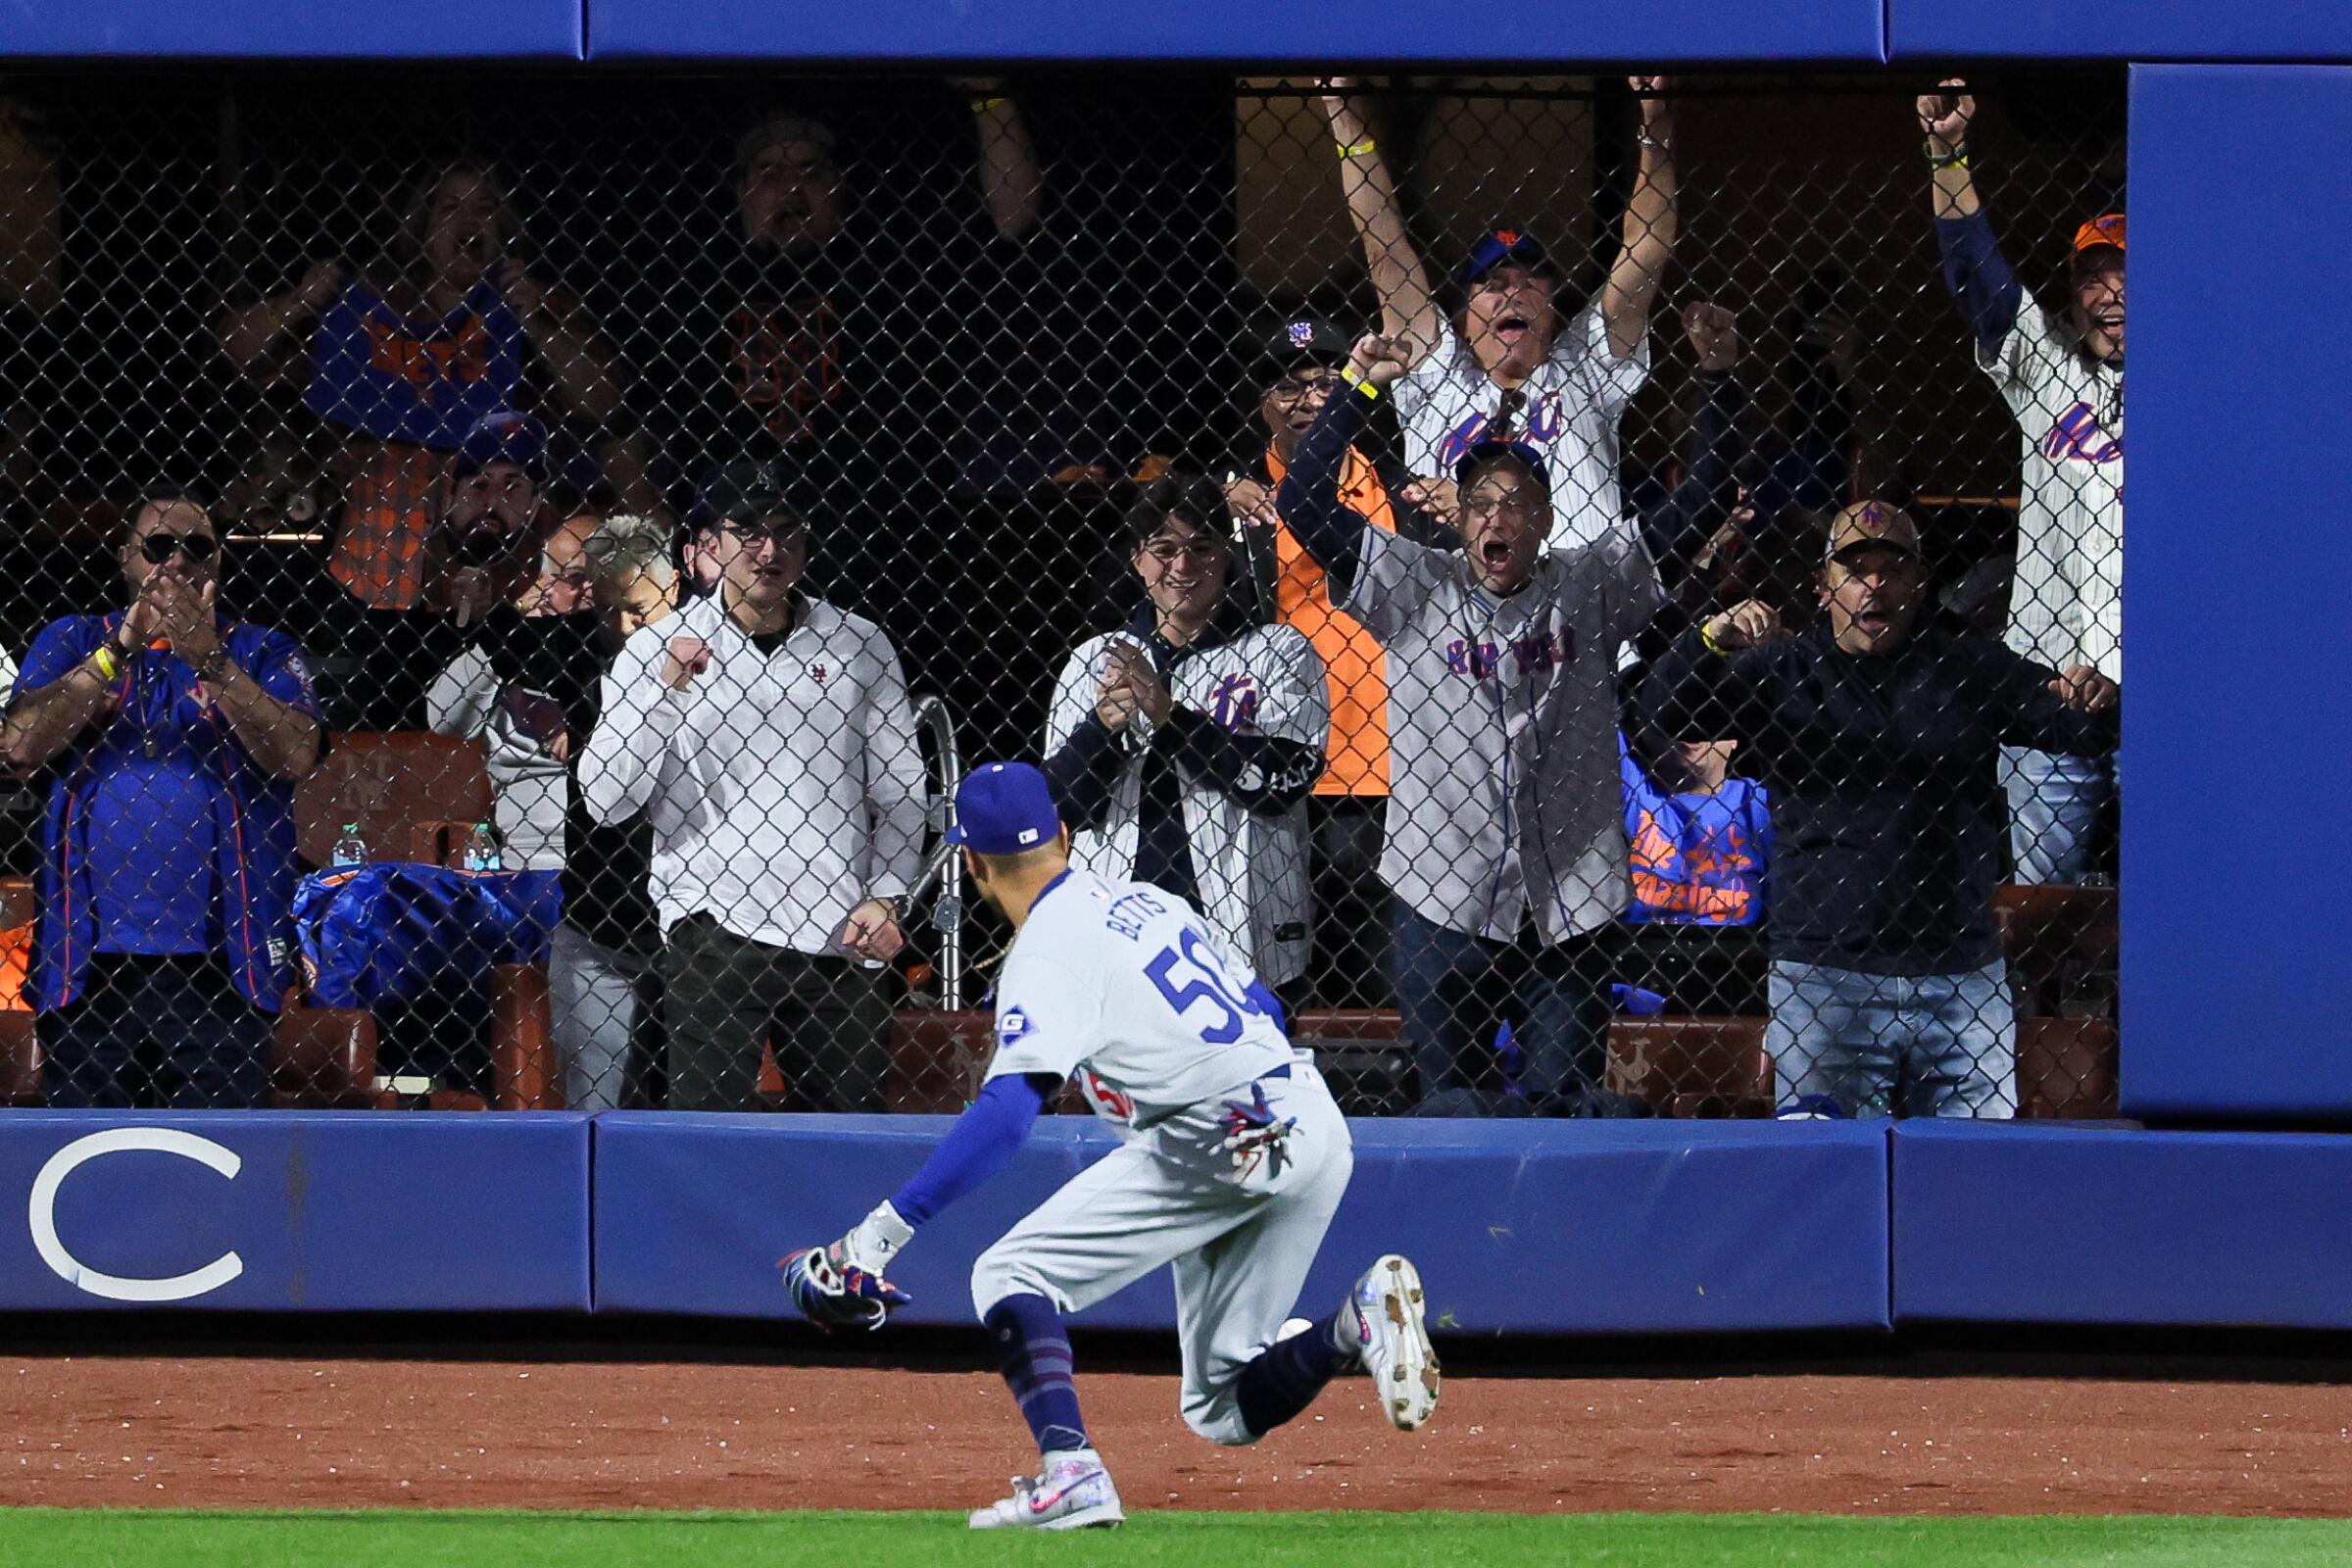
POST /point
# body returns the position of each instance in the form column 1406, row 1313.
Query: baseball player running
column 1234, row 1158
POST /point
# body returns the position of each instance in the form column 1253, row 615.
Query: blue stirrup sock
column 1033, row 1350
column 1287, row 1375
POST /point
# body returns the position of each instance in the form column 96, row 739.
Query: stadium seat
column 416, row 797
column 1687, row 1066
column 2046, row 932
column 2066, row 1068
column 19, row 1053
column 322, row 1058
column 403, row 789
column 936, row 1059
column 522, row 1048
column 1362, row 1057
column 19, row 1060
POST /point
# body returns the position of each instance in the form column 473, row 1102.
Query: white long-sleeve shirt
column 785, row 788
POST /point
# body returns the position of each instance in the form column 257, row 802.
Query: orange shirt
column 1353, row 663
column 389, row 491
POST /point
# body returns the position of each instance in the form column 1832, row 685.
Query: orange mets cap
column 2105, row 229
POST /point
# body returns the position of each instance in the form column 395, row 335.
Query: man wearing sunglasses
column 173, row 735
column 769, row 733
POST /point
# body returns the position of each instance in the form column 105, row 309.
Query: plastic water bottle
column 351, row 849
column 482, row 850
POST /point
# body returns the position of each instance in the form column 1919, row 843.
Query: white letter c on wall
column 115, row 1141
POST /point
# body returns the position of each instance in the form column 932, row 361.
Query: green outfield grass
column 45, row 1538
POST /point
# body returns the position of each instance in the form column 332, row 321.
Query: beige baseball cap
column 1875, row 523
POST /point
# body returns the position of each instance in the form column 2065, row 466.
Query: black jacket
column 1886, row 806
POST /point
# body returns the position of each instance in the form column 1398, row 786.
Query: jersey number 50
column 1214, row 987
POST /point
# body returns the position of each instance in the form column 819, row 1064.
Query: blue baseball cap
column 1005, row 808
column 502, row 436
column 1499, row 245
column 1479, row 451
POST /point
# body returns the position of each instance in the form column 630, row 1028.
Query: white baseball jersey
column 1574, row 403
column 1503, row 787
column 1121, row 984
column 2066, row 607
column 1251, row 866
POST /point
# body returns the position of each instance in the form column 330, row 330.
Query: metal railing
column 945, row 870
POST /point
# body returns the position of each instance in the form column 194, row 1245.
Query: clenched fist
column 1381, row 360
column 684, row 659
column 2083, row 689
column 1750, row 623
column 1714, row 333
column 1945, row 115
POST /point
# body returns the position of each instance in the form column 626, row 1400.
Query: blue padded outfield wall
column 2117, row 30
column 294, row 1211
column 281, row 30
column 1402, row 32
column 2237, row 978
column 1303, row 31
column 1518, row 1227
column 2026, row 1224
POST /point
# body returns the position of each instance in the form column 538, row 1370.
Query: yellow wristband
column 981, row 106
column 1706, row 640
column 1370, row 389
column 1356, row 149
column 104, row 658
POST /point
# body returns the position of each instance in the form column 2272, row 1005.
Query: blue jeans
column 1455, row 990
column 2055, row 803
column 1934, row 1044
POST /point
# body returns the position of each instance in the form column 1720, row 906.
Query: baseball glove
column 835, row 1294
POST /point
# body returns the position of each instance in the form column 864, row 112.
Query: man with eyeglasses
column 1506, row 845
column 1182, row 746
column 769, row 734
column 1298, row 367
column 173, row 735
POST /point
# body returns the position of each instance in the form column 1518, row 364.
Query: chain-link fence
column 505, row 570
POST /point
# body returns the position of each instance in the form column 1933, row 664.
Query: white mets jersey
column 1120, row 984
column 1574, row 404
column 2067, row 607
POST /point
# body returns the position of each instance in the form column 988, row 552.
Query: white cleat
column 1384, row 1310
column 1073, row 1493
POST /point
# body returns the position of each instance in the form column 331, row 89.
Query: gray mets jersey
column 1504, row 788
column 2067, row 607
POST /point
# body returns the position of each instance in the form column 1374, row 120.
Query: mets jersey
column 2066, row 607
column 1574, row 401
column 1120, row 984
column 1502, row 733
